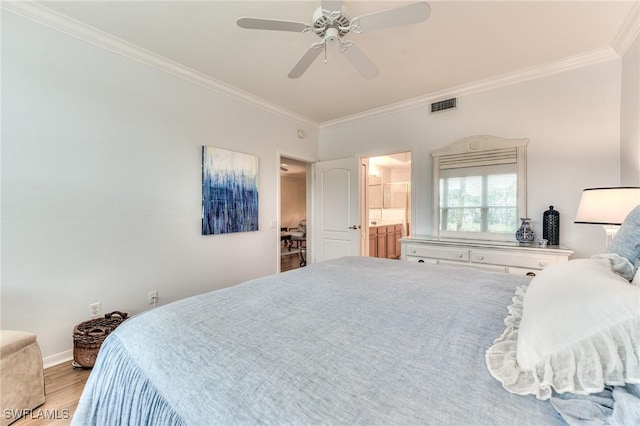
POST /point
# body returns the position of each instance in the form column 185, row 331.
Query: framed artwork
column 229, row 191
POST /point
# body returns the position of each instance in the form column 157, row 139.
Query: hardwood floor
column 290, row 258
column 289, row 262
column 63, row 387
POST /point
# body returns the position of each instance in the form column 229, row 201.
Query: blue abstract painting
column 229, row 191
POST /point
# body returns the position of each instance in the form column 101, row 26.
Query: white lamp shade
column 607, row 206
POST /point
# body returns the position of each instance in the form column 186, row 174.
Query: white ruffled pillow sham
column 575, row 328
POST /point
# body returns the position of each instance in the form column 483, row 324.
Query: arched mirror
column 479, row 188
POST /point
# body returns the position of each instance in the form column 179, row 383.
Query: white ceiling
column 462, row 42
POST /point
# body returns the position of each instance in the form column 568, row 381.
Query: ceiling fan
column 330, row 23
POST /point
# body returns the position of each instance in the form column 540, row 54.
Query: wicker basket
column 89, row 335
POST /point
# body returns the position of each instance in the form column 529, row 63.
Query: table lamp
column 607, row 207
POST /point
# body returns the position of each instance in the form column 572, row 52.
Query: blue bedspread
column 349, row 341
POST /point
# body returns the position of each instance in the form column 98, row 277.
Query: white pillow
column 579, row 330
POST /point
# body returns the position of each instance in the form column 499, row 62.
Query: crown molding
column 67, row 25
column 74, row 28
column 526, row 74
column 629, row 31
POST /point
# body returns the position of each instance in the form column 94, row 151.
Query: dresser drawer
column 422, row 260
column 533, row 261
column 493, row 268
column 460, row 255
column 523, row 271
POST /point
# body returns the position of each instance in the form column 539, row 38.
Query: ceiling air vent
column 443, row 105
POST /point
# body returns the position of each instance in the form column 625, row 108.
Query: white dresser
column 512, row 258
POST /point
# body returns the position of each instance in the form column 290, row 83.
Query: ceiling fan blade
column 331, row 5
column 271, row 24
column 405, row 15
column 360, row 61
column 307, row 59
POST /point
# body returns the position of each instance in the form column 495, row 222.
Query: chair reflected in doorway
column 294, row 241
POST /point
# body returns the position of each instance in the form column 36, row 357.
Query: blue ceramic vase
column 525, row 234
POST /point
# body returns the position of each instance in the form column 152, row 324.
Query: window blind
column 480, row 158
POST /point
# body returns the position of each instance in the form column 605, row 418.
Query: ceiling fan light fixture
column 332, row 34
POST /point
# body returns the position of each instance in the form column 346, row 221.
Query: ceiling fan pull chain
column 325, row 51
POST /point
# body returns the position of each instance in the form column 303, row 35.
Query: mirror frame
column 477, row 144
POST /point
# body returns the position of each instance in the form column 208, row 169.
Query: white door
column 336, row 224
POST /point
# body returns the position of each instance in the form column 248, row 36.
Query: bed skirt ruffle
column 136, row 402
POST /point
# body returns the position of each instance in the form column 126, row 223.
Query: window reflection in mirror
column 480, row 188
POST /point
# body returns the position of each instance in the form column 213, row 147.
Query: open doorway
column 294, row 200
column 387, row 215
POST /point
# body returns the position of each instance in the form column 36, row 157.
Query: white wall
column 101, row 183
column 571, row 118
column 293, row 201
column 630, row 111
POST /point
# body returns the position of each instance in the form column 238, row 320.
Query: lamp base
column 611, row 231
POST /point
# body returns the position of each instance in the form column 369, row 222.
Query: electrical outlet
column 153, row 297
column 94, row 309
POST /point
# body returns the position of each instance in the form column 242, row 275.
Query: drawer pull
column 459, row 256
column 421, row 261
column 413, row 252
column 480, row 257
column 531, row 274
column 543, row 263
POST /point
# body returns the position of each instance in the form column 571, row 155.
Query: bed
column 350, row 341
